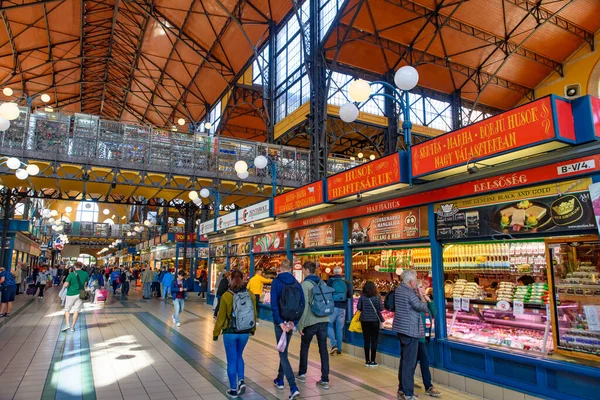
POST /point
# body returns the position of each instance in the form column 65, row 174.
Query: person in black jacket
column 370, row 307
column 221, row 289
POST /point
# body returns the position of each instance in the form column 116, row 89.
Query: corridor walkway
column 130, row 349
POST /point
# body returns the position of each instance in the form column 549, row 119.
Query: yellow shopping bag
column 355, row 325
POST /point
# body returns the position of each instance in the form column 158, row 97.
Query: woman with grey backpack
column 236, row 321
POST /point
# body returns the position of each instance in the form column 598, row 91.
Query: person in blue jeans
column 234, row 341
column 167, row 282
column 285, row 324
column 8, row 290
column 179, row 293
column 343, row 292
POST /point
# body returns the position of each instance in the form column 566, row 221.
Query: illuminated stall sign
column 255, row 212
column 304, row 197
column 180, row 237
column 207, row 227
column 400, row 225
column 554, row 208
column 275, row 241
column 316, row 236
column 383, row 173
column 227, row 221
column 540, row 126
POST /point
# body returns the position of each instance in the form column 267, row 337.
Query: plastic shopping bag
column 63, row 293
column 282, row 342
column 355, row 325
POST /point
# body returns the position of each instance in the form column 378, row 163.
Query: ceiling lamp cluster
column 56, row 224
column 196, row 197
column 22, row 170
column 113, row 245
column 9, row 111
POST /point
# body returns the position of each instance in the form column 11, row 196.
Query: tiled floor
column 129, row 349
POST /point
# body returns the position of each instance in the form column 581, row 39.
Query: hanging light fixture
column 147, row 223
column 21, row 174
column 181, row 121
column 348, row 112
column 32, row 169
column 45, row 98
column 7, row 91
column 10, row 111
column 204, row 193
column 260, row 162
column 240, row 166
column 359, row 90
column 207, row 125
column 193, row 195
column 4, row 124
column 106, row 211
column 68, row 209
column 13, row 163
column 406, row 78
column 372, row 157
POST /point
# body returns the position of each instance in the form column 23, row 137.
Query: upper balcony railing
column 89, row 140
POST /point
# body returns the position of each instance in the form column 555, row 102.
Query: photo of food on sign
column 359, row 234
column 541, row 209
column 524, row 215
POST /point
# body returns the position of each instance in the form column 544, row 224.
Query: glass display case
column 497, row 294
column 218, row 264
column 325, row 261
column 269, row 264
column 383, row 266
column 576, row 283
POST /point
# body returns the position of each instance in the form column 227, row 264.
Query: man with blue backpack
column 287, row 304
column 342, row 292
column 315, row 322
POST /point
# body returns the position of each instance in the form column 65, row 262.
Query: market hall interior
column 449, row 147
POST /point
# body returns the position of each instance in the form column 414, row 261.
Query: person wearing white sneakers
column 179, row 293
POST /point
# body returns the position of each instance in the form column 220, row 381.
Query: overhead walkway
column 94, row 158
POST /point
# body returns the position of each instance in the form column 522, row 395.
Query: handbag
column 376, row 313
column 83, row 294
column 355, row 325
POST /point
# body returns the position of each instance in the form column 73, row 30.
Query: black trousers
column 320, row 331
column 371, row 338
column 41, row 288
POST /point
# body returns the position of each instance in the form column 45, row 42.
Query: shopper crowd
column 313, row 308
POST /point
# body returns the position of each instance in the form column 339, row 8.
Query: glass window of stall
column 218, row 261
column 269, row 251
column 498, row 284
column 238, row 252
column 308, row 244
column 575, row 266
column 383, row 246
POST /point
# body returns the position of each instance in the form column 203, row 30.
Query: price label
column 518, row 307
column 465, row 304
column 503, row 305
column 457, row 303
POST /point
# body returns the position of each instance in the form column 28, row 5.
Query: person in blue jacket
column 285, row 278
column 167, row 282
column 115, row 277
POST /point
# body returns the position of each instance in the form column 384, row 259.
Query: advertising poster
column 553, row 208
column 239, row 247
column 316, row 236
column 399, row 225
column 270, row 242
column 595, row 196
